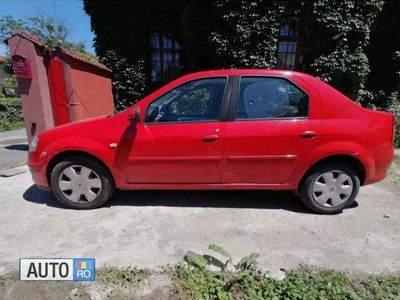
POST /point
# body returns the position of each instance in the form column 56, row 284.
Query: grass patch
column 5, row 126
column 302, row 283
column 128, row 276
column 213, row 277
column 394, row 171
column 194, row 280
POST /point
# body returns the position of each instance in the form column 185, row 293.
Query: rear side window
column 269, row 98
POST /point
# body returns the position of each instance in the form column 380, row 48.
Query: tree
column 50, row 31
column 384, row 77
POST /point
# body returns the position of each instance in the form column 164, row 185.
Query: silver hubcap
column 79, row 184
column 332, row 188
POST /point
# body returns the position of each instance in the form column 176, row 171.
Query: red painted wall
column 62, row 86
column 93, row 92
column 88, row 86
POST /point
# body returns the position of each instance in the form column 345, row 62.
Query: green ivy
column 128, row 79
column 341, row 32
column 248, row 35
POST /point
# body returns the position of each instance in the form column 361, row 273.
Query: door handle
column 210, row 138
column 308, row 134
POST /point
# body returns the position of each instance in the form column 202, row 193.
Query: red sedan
column 226, row 129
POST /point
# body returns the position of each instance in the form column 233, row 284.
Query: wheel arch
column 350, row 160
column 62, row 155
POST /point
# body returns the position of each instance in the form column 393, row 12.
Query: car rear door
column 180, row 140
column 275, row 121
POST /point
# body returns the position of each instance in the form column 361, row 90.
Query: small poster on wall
column 21, row 67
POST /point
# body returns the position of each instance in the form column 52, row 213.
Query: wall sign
column 21, row 67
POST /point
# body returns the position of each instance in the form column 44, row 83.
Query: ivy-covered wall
column 337, row 47
column 339, row 40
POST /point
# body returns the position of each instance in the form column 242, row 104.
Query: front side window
column 198, row 100
column 269, row 97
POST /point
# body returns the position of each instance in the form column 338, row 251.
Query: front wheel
column 81, row 183
column 330, row 188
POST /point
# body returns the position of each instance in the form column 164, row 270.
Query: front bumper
column 37, row 167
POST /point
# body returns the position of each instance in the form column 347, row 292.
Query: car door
column 180, row 139
column 274, row 124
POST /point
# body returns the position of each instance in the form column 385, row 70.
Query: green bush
column 10, row 114
column 394, row 108
column 392, row 105
column 128, row 79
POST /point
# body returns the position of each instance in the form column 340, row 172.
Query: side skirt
column 208, row 186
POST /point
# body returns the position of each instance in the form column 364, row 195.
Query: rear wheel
column 330, row 188
column 81, row 183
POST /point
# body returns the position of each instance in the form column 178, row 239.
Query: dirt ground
column 150, row 228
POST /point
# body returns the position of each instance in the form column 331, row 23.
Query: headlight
column 33, row 145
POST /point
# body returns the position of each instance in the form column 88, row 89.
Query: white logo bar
column 46, row 269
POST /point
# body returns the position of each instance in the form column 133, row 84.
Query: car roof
column 239, row 72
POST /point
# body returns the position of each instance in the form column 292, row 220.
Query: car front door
column 180, row 139
column 275, row 122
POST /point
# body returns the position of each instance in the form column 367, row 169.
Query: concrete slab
column 151, row 228
column 13, row 171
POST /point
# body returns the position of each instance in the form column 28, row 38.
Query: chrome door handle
column 210, row 138
column 308, row 134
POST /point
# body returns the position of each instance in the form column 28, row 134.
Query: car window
column 198, row 100
column 269, row 97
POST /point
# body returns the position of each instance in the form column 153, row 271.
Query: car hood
column 88, row 127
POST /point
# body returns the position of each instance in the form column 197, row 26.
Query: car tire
column 330, row 188
column 81, row 183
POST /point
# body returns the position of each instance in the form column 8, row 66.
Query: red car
column 226, row 130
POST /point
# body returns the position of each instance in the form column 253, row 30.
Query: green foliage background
column 51, row 31
column 224, row 34
column 350, row 44
column 10, row 113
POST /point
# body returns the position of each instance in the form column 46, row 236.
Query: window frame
column 163, row 50
column 291, row 38
column 236, row 95
column 223, row 110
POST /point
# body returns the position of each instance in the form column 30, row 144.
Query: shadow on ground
column 284, row 200
column 19, row 147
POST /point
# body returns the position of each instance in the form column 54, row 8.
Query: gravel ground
column 149, row 228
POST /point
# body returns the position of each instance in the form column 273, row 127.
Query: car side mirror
column 134, row 115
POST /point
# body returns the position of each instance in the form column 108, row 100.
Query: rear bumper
column 380, row 164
